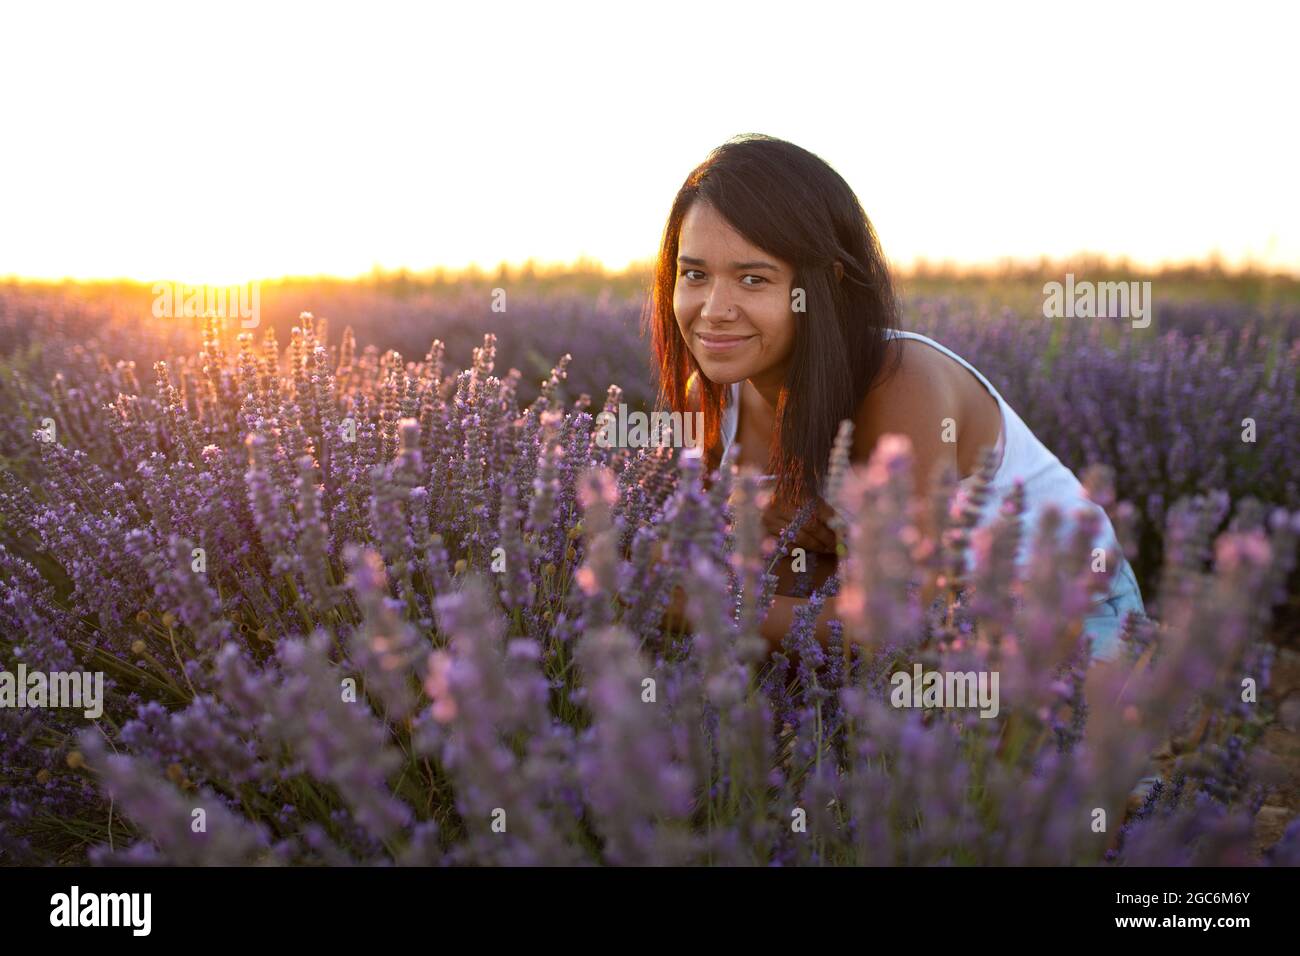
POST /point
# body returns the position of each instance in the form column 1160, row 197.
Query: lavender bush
column 428, row 627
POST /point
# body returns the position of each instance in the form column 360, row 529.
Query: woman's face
column 732, row 302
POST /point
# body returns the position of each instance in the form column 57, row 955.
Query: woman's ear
column 839, row 270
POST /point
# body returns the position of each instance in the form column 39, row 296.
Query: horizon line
column 919, row 266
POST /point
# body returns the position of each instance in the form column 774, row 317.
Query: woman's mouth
column 721, row 343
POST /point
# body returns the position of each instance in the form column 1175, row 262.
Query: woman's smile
column 718, row 344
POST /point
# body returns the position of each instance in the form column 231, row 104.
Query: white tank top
column 1023, row 456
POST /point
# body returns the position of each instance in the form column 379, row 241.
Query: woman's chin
column 721, row 373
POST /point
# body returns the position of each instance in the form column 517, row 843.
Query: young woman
column 773, row 312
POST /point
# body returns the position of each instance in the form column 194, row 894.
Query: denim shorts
column 1104, row 624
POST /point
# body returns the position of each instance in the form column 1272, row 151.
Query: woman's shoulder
column 917, row 358
column 947, row 409
column 917, row 373
column 913, row 396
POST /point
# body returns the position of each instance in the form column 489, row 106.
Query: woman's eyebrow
column 757, row 264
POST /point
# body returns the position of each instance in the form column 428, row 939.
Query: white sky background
column 227, row 141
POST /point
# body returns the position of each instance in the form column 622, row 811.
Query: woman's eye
column 686, row 274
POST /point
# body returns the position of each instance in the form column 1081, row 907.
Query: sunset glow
column 284, row 139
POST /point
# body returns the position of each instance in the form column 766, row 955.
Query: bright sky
column 228, row 141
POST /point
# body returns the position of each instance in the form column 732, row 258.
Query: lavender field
column 365, row 589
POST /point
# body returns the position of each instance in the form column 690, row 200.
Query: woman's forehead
column 711, row 238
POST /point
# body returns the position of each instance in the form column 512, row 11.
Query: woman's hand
column 675, row 613
column 815, row 535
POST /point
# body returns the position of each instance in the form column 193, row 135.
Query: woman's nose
column 717, row 303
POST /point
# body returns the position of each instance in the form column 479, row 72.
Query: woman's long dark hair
column 793, row 205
